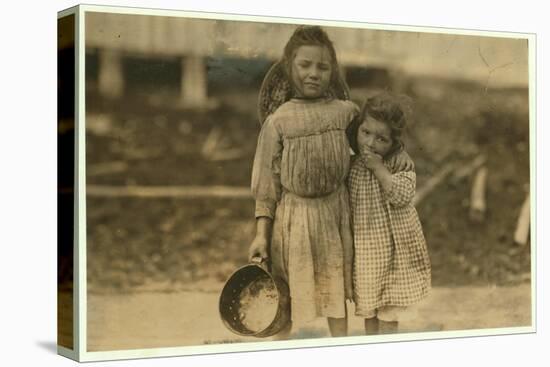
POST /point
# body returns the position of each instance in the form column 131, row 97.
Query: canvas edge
column 81, row 353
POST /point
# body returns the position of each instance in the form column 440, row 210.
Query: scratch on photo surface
column 491, row 70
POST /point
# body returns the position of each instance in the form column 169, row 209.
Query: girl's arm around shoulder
column 401, row 161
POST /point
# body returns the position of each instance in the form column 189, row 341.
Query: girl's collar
column 310, row 100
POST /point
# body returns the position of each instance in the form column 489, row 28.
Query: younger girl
column 391, row 265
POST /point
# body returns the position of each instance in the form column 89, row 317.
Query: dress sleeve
column 402, row 188
column 266, row 170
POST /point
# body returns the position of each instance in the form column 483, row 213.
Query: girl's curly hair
column 389, row 109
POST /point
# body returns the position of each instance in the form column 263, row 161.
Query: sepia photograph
column 262, row 180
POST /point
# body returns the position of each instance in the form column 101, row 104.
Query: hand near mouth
column 371, row 159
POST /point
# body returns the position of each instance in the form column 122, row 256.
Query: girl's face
column 374, row 136
column 311, row 71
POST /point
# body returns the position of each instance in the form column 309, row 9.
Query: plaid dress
column 299, row 180
column 391, row 265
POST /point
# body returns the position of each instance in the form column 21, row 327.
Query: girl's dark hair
column 277, row 87
column 385, row 108
column 310, row 36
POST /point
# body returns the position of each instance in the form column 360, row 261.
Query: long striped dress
column 298, row 179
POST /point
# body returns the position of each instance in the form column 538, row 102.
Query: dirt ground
column 183, row 318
